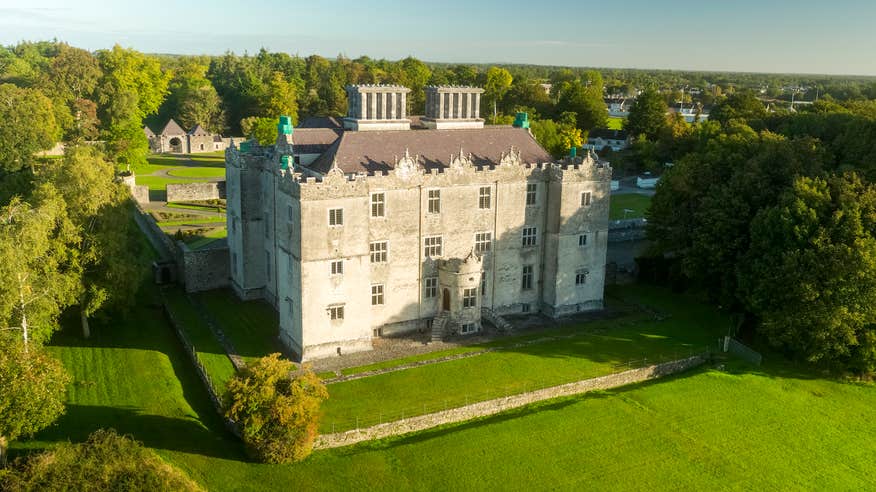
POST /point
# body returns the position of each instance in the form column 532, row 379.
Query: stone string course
column 498, row 405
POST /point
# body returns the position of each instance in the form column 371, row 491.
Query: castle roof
column 377, row 151
column 199, row 131
column 315, row 140
column 172, row 128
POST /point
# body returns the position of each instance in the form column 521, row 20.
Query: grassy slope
column 252, row 327
column 208, row 237
column 515, row 370
column 638, row 203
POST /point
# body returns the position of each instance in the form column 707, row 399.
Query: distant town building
column 172, row 139
column 619, row 108
column 373, row 226
column 600, row 139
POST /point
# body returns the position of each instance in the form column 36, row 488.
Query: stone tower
column 453, row 107
column 377, row 107
column 459, row 280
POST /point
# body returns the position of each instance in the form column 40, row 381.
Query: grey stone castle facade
column 382, row 229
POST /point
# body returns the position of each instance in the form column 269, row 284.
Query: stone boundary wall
column 205, row 269
column 187, row 192
column 498, row 405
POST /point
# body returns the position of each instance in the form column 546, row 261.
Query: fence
column 736, row 348
column 445, row 403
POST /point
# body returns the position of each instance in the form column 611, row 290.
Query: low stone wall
column 187, row 192
column 207, row 268
column 492, row 407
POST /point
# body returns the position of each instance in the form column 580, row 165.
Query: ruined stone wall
column 195, row 191
column 492, row 407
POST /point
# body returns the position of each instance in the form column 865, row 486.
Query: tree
column 33, row 385
column 586, row 102
column 743, row 106
column 98, row 209
column 34, row 257
column 279, row 99
column 810, row 273
column 133, row 86
column 277, row 416
column 106, row 461
column 648, row 115
column 498, row 82
column 192, row 99
column 28, row 126
column 263, row 130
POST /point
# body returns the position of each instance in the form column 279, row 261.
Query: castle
column 374, row 226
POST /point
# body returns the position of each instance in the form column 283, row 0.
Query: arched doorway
column 445, row 300
column 176, row 145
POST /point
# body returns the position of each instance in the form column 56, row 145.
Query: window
column 290, row 307
column 265, row 221
column 585, row 199
column 336, row 217
column 483, row 241
column 483, row 285
column 378, row 200
column 432, row 246
column 234, row 225
column 529, row 236
column 336, row 312
column 469, row 298
column 468, row 328
column 581, row 276
column 290, row 213
column 377, row 295
column 234, row 264
column 434, row 201
column 337, row 267
column 268, row 265
column 431, row 287
column 582, row 240
column 202, row 146
column 524, row 308
column 484, row 197
column 378, row 252
column 526, row 278
column 530, row 194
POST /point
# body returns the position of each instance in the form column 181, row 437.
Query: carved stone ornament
column 459, row 163
column 335, row 175
column 512, row 158
column 407, row 167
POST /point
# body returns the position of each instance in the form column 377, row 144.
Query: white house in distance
column 600, row 138
column 395, row 228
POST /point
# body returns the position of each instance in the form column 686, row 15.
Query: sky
column 802, row 36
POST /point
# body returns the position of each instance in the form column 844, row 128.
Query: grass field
column 159, row 183
column 596, row 350
column 193, row 221
column 251, row 326
column 615, row 123
column 197, row 206
column 638, row 203
column 208, row 237
column 197, row 172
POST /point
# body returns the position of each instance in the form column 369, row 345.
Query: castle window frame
column 377, row 291
column 336, row 312
column 378, row 205
column 467, row 328
column 336, row 268
column 531, row 194
column 582, row 241
column 529, row 237
column 433, row 201
column 526, row 277
column 290, row 214
column 469, row 298
column 485, row 195
column 483, row 285
column 586, row 199
column 483, row 242
column 265, row 221
column 433, row 246
column 581, row 276
column 378, row 251
column 430, row 287
column 268, row 265
column 336, row 217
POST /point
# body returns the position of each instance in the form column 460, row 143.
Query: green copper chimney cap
column 245, row 146
column 521, row 120
column 573, row 151
column 285, row 125
column 285, row 161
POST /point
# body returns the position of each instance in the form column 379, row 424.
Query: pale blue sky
column 741, row 35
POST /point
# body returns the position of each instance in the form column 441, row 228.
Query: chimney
column 377, row 107
column 453, row 107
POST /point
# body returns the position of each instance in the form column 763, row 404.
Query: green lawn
column 193, row 221
column 251, row 326
column 159, row 183
column 408, row 360
column 197, row 172
column 208, row 237
column 197, row 206
column 596, row 350
column 638, row 203
column 615, row 123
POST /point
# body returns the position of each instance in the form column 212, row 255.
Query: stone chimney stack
column 377, row 107
column 453, row 107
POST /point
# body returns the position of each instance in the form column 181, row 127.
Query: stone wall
column 195, row 191
column 492, row 407
column 206, row 269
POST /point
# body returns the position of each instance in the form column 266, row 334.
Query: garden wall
column 206, row 268
column 187, row 192
column 499, row 405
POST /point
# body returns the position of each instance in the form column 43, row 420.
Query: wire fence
column 443, row 403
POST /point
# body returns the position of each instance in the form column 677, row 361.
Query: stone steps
column 439, row 325
column 497, row 320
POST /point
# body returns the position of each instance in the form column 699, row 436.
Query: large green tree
column 744, row 106
column 810, row 272
column 647, row 115
column 498, row 82
column 33, row 386
column 192, row 99
column 278, row 416
column 587, row 104
column 27, row 125
column 279, row 99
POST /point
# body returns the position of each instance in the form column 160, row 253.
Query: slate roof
column 172, row 128
column 606, row 134
column 376, row 151
column 199, row 131
column 314, row 140
column 320, row 122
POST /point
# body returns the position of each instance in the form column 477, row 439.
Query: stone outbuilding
column 172, row 139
